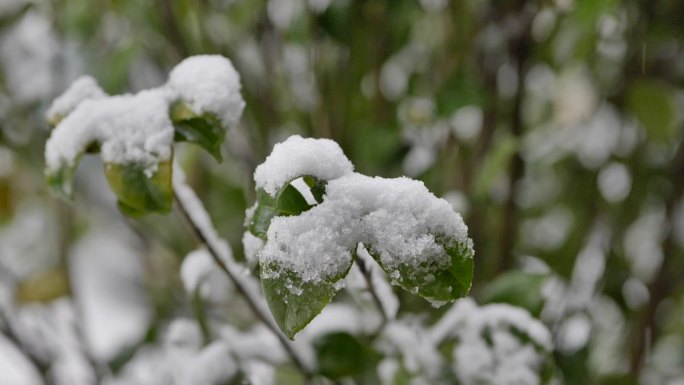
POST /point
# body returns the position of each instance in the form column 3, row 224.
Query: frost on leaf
column 134, row 133
column 417, row 238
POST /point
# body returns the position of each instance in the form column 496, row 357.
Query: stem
column 367, row 275
column 200, row 222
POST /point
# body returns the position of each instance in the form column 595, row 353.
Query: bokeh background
column 553, row 126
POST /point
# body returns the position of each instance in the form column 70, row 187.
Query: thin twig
column 209, row 240
column 367, row 275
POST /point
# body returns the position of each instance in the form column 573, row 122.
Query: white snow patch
column 130, row 128
column 109, row 289
column 209, row 83
column 83, row 88
column 296, row 157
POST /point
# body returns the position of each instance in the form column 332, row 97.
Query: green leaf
column 138, row 193
column 44, row 286
column 61, row 182
column 204, row 130
column 342, row 355
column 432, row 282
column 651, row 102
column 517, row 288
column 287, row 202
column 317, row 187
column 495, row 164
column 293, row 302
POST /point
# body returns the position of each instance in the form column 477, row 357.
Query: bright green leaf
column 138, row 193
column 204, row 130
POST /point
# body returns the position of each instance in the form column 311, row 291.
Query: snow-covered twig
column 193, row 210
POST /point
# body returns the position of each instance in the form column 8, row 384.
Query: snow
column 209, row 83
column 16, row 369
column 413, row 343
column 82, row 89
column 130, row 128
column 28, row 51
column 397, row 219
column 178, row 360
column 199, row 272
column 109, row 289
column 503, row 358
column 136, row 128
column 614, row 182
column 297, row 157
column 50, row 333
column 251, row 245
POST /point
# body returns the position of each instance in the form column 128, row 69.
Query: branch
column 367, row 275
column 198, row 218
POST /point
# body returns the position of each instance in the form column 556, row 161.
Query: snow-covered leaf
column 438, row 284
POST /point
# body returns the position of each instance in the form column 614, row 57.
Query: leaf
column 652, row 104
column 204, row 130
column 293, row 302
column 44, row 286
column 495, row 165
column 517, row 288
column 317, row 187
column 138, row 193
column 436, row 284
column 342, row 355
column 61, row 182
column 287, row 202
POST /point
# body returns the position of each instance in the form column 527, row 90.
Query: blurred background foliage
column 555, row 128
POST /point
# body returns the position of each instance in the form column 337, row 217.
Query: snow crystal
column 296, row 157
column 130, row 128
column 209, row 83
column 83, row 88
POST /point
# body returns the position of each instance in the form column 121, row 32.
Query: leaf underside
column 289, row 201
column 137, row 193
column 205, row 129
